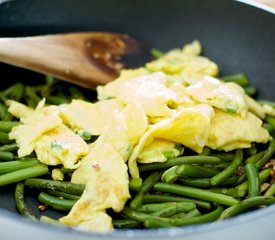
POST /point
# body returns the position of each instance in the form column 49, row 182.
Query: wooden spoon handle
column 87, row 59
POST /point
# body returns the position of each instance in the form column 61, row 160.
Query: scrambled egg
column 230, row 131
column 228, row 96
column 146, row 115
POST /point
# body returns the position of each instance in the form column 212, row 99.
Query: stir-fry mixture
column 168, row 144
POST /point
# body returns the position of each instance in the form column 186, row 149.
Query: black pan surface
column 237, row 36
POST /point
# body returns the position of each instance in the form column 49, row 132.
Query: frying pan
column 238, row 36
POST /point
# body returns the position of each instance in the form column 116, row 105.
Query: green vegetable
column 227, row 172
column 253, row 180
column 66, row 187
column 55, row 202
column 126, row 223
column 180, row 206
column 153, row 198
column 240, row 79
column 145, row 187
column 245, row 205
column 10, row 166
column 196, row 193
column 20, row 203
column 22, row 174
column 12, row 147
column 178, row 161
column 6, row 126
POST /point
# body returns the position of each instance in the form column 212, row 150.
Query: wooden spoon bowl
column 85, row 58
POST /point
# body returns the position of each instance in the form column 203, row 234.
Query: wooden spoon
column 85, row 58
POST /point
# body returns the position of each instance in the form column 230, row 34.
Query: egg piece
column 18, row 109
column 136, row 121
column 61, row 146
column 91, row 117
column 193, row 48
column 116, row 135
column 150, row 92
column 158, row 151
column 184, row 65
column 112, row 89
column 229, row 131
column 105, row 174
column 189, row 127
column 97, row 221
column 33, row 126
column 229, row 96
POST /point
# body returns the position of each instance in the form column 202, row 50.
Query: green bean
column 224, row 156
column 270, row 120
column 233, row 192
column 135, row 184
column 20, row 203
column 166, row 212
column 270, row 191
column 205, row 182
column 250, row 91
column 145, row 187
column 63, row 195
column 66, row 187
column 55, row 202
column 170, row 176
column 4, row 138
column 156, row 223
column 135, row 215
column 67, row 170
column 10, row 166
column 15, row 92
column 153, row 207
column 31, row 94
column 151, row 198
column 6, row 156
column 75, row 93
column 195, row 182
column 12, row 147
column 6, row 126
column 245, row 205
column 240, row 79
column 227, row 172
column 196, row 193
column 193, row 213
column 57, row 100
column 178, row 161
column 22, row 174
column 126, row 223
column 180, row 215
column 255, row 158
column 137, row 201
column 252, row 150
column 252, row 180
column 209, row 217
column 263, row 175
column 267, row 155
column 156, row 53
column 4, row 114
column 206, row 151
column 186, row 170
